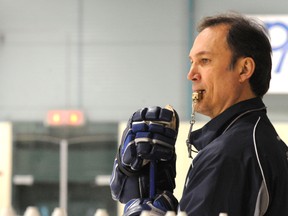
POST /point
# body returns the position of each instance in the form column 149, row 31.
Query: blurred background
column 72, row 71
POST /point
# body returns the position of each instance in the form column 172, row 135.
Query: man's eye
column 205, row 60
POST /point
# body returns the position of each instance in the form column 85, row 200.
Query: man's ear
column 247, row 67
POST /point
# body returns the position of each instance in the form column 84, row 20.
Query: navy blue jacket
column 241, row 167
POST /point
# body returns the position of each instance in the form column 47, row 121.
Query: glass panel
column 36, row 167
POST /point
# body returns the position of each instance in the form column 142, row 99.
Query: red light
column 75, row 117
column 65, row 118
column 56, row 118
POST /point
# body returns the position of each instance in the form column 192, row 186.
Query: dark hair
column 246, row 38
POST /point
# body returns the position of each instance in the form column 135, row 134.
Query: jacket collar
column 216, row 126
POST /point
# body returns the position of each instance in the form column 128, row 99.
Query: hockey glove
column 150, row 135
column 157, row 207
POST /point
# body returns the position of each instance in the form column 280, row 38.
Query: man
column 242, row 164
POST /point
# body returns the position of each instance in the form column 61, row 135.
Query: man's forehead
column 210, row 40
column 200, row 53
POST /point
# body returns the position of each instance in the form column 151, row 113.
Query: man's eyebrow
column 201, row 53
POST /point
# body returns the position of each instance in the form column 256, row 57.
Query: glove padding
column 126, row 186
column 150, row 135
column 157, row 207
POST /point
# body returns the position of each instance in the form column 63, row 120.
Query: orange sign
column 65, row 118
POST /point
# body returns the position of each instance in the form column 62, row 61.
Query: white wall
column 105, row 57
column 6, row 164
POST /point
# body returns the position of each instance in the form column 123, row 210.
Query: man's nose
column 193, row 75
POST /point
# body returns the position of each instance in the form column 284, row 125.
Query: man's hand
column 150, row 135
column 157, row 207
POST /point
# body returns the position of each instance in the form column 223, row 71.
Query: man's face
column 211, row 74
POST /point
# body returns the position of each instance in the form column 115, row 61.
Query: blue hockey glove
column 126, row 186
column 150, row 135
column 157, row 207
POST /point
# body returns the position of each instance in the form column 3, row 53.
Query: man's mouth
column 197, row 95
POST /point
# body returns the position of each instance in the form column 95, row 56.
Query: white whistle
column 31, row 211
column 101, row 212
column 59, row 212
